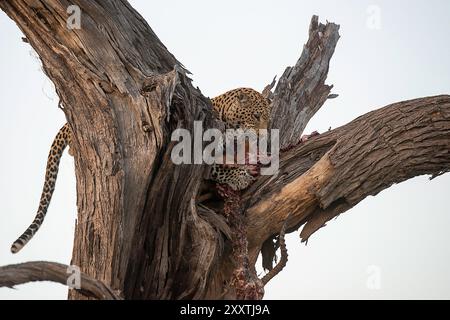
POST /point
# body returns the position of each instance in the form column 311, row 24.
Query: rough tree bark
column 140, row 230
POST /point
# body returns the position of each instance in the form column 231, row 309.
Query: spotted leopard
column 242, row 108
column 239, row 108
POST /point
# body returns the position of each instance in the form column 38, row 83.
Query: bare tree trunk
column 140, row 229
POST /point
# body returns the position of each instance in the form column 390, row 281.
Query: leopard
column 246, row 109
column 243, row 108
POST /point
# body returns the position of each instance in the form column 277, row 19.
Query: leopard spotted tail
column 60, row 142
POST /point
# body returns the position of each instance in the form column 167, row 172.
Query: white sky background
column 403, row 231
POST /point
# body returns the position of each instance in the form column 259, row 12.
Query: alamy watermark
column 235, row 146
column 373, row 277
column 74, row 19
column 373, row 21
column 74, row 280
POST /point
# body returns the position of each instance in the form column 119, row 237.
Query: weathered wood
column 301, row 90
column 140, row 229
column 16, row 274
column 334, row 171
column 123, row 94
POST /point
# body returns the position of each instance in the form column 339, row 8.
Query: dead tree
column 140, row 229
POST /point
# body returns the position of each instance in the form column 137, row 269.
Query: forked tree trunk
column 140, row 229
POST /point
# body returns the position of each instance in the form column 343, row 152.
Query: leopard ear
column 242, row 97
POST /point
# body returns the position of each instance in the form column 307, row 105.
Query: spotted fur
column 238, row 178
column 242, row 108
column 60, row 142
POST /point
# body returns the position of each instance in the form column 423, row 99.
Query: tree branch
column 124, row 93
column 16, row 274
column 301, row 90
column 332, row 172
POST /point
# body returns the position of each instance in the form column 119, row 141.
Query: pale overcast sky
column 391, row 246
